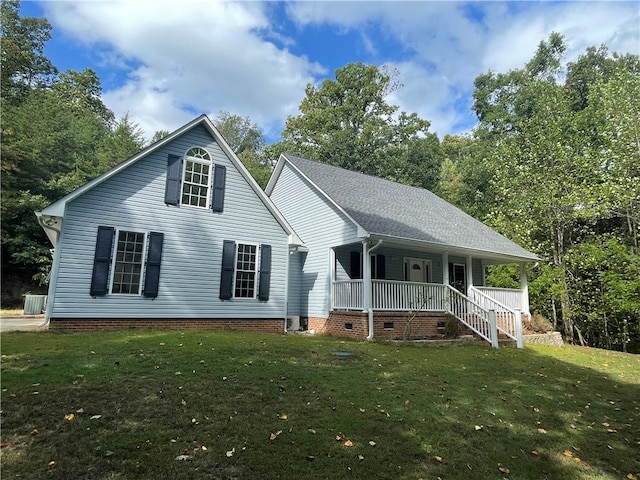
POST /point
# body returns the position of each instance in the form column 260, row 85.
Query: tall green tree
column 563, row 150
column 56, row 135
column 347, row 122
column 247, row 141
column 24, row 64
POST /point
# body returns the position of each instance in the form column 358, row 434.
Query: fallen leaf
column 372, row 443
column 273, row 436
column 184, row 457
column 69, row 416
column 438, row 458
column 34, row 432
column 360, row 457
column 542, row 430
column 310, row 458
column 505, row 470
column 4, row 444
column 12, row 396
column 478, row 427
column 283, row 416
column 80, row 410
column 95, row 417
column 568, row 453
column 340, row 437
column 51, row 464
column 312, row 431
column 348, row 443
column 231, row 452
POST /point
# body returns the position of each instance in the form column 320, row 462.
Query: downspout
column 370, row 310
column 50, row 226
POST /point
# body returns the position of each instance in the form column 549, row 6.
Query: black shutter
column 265, row 273
column 380, row 267
column 102, row 261
column 228, row 267
column 174, row 179
column 217, row 196
column 355, row 270
column 154, row 256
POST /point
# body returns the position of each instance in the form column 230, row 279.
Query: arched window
column 196, row 177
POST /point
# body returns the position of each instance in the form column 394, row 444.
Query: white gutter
column 370, row 310
column 49, row 224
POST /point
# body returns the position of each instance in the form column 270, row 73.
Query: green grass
column 218, row 399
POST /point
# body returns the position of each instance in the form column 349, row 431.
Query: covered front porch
column 385, row 276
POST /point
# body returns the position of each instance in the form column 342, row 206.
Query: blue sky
column 165, row 62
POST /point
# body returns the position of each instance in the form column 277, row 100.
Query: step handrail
column 517, row 316
column 470, row 307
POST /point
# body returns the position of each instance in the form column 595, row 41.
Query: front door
column 416, row 270
column 458, row 276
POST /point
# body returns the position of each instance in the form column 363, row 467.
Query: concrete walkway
column 23, row 322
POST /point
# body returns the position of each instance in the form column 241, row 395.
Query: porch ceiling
column 489, row 258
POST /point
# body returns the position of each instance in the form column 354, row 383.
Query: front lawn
column 223, row 405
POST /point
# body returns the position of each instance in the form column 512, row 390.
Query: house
column 179, row 235
column 387, row 260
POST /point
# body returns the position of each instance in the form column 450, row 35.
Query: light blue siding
column 320, row 226
column 193, row 238
column 394, row 262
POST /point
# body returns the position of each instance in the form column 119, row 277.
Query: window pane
column 195, row 187
column 246, row 271
column 128, row 267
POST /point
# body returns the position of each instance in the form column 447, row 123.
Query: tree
column 563, row 159
column 56, row 135
column 347, row 122
column 247, row 141
column 24, row 64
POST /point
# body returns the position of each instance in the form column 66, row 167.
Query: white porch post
column 366, row 277
column 469, row 274
column 524, row 287
column 445, row 268
column 332, row 277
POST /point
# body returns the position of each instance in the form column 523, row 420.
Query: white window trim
column 426, row 262
column 114, row 253
column 256, row 271
column 202, row 161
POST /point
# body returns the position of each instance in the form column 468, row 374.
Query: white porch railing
column 408, row 296
column 511, row 298
column 473, row 315
column 508, row 320
column 347, row 295
column 412, row 296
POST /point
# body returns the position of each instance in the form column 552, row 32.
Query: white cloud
column 182, row 58
column 454, row 42
column 188, row 58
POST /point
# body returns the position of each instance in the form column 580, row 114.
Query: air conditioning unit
column 34, row 304
column 293, row 323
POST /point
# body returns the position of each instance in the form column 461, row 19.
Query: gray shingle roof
column 387, row 208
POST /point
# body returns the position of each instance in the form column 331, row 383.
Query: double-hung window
column 128, row 262
column 246, row 270
column 196, row 176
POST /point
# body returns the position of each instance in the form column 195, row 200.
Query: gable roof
column 49, row 215
column 388, row 209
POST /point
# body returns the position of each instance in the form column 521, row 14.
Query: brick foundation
column 386, row 325
column 269, row 325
